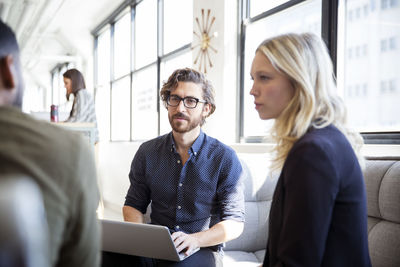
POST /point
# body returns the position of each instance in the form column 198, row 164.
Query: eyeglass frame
column 184, row 99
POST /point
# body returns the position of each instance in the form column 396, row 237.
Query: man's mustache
column 180, row 115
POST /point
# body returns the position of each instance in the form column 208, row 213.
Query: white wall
column 221, row 124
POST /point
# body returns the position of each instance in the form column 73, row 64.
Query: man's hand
column 185, row 242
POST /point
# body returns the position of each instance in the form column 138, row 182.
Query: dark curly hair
column 189, row 75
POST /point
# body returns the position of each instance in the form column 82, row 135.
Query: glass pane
column 178, row 30
column 122, row 41
column 167, row 68
column 103, row 58
column 120, row 113
column 103, row 111
column 144, row 104
column 54, row 88
column 368, row 72
column 145, row 33
column 305, row 17
column 64, row 105
column 259, row 6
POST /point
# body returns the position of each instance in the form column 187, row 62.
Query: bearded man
column 192, row 181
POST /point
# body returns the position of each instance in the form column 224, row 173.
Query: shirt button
column 180, row 184
column 179, row 207
column 177, row 227
column 178, row 161
column 195, row 153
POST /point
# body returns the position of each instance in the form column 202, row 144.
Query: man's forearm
column 132, row 215
column 221, row 232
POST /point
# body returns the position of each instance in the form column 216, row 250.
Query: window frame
column 329, row 33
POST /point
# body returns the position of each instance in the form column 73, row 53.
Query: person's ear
column 6, row 65
column 206, row 110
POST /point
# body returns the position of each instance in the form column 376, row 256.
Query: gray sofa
column 382, row 179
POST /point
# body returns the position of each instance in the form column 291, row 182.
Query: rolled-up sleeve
column 138, row 195
column 230, row 192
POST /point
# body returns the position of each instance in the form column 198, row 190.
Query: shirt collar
column 194, row 149
column 197, row 144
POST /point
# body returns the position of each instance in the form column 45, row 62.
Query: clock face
column 202, row 41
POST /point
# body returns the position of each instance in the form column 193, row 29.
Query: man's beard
column 178, row 126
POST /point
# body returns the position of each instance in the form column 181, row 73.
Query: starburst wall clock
column 203, row 41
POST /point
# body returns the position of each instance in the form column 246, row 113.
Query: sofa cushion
column 242, row 258
column 382, row 181
column 259, row 187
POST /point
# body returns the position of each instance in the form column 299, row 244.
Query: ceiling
column 50, row 32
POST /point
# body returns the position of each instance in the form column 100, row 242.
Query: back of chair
column 382, row 179
column 23, row 225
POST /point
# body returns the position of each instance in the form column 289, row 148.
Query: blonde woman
column 318, row 215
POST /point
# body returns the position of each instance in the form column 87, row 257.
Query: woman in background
column 83, row 109
column 318, row 215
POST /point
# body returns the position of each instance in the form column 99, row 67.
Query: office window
column 384, row 45
column 392, row 43
column 365, row 9
column 259, row 6
column 392, row 86
column 385, row 4
column 350, row 15
column 144, row 104
column 377, row 74
column 145, row 33
column 176, row 33
column 300, row 18
column 122, row 40
column 128, row 78
column 365, row 89
column 349, row 53
column 102, row 103
column 365, row 50
column 120, row 104
column 55, row 79
column 357, row 51
column 358, row 13
column 103, row 94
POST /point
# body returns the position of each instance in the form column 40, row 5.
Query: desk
column 87, row 129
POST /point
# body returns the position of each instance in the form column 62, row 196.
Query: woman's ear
column 6, row 72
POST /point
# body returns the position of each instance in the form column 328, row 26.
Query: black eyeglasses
column 188, row 102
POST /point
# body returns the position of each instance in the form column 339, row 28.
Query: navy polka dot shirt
column 189, row 198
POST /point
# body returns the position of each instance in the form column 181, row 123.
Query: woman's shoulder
column 84, row 95
column 328, row 141
column 329, row 135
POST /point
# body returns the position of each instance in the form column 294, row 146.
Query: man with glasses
column 193, row 181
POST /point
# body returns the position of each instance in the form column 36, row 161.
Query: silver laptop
column 147, row 240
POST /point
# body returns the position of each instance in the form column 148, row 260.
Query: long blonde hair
column 304, row 59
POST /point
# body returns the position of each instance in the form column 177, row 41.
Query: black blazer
column 318, row 215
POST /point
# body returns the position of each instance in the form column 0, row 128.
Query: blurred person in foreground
column 60, row 162
column 318, row 215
